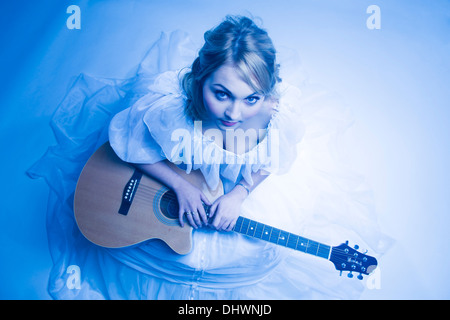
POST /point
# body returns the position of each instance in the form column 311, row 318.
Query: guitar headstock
column 350, row 259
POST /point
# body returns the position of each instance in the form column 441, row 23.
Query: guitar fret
column 245, row 225
column 323, row 251
column 238, row 225
column 313, row 247
column 287, row 239
column 303, row 243
column 262, row 231
column 266, row 233
column 292, row 241
column 252, row 228
column 283, row 238
column 259, row 230
column 274, row 235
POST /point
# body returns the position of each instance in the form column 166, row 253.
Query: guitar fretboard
column 262, row 231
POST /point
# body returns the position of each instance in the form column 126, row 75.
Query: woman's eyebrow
column 229, row 92
column 222, row 87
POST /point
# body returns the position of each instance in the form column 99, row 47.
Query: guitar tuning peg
column 356, row 247
column 350, row 275
column 346, row 242
column 340, row 274
column 360, row 277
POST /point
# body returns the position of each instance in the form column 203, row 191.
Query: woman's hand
column 225, row 211
column 190, row 202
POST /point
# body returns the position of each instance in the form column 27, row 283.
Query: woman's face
column 228, row 99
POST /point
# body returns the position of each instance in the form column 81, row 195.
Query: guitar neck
column 264, row 232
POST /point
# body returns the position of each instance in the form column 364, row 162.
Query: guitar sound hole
column 169, row 205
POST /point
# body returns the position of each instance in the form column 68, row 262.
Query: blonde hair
column 237, row 40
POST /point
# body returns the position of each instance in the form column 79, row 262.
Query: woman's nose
column 233, row 111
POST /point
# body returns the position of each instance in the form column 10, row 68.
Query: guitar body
column 149, row 211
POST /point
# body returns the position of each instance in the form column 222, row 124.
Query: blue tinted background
column 395, row 80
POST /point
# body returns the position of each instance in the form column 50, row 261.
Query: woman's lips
column 228, row 123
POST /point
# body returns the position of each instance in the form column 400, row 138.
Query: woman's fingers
column 223, row 225
column 181, row 217
column 192, row 204
column 205, row 202
column 193, row 219
column 203, row 215
column 220, row 221
column 205, row 199
column 194, row 212
column 196, row 218
column 231, row 226
column 212, row 211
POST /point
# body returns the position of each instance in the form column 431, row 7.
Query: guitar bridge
column 129, row 191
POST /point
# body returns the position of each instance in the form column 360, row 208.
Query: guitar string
column 152, row 191
column 149, row 191
column 142, row 186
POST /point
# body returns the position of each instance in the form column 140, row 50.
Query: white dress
column 308, row 192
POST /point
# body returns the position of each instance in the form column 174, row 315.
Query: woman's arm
column 190, row 198
column 226, row 209
column 257, row 177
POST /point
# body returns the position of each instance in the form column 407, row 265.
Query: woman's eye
column 220, row 95
column 252, row 100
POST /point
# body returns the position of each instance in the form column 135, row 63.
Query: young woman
column 224, row 112
column 231, row 86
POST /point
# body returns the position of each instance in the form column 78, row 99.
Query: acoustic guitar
column 117, row 206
